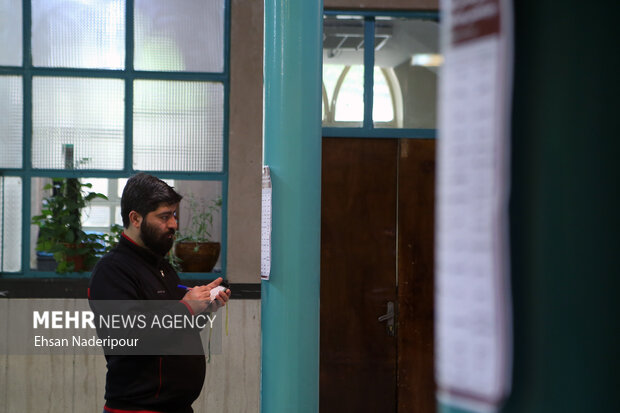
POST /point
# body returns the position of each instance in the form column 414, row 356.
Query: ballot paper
column 473, row 324
column 265, row 252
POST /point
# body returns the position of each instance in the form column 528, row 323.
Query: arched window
column 343, row 96
column 403, row 85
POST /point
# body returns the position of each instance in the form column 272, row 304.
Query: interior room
column 312, row 143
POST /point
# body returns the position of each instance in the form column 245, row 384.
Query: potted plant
column 60, row 227
column 194, row 249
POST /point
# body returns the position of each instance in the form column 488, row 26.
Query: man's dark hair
column 144, row 193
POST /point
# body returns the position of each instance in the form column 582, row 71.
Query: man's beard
column 159, row 243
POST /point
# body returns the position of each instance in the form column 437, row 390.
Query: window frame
column 27, row 71
column 368, row 130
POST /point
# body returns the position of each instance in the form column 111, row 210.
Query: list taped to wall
column 473, row 304
column 265, row 246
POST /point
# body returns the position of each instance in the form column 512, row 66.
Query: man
column 136, row 269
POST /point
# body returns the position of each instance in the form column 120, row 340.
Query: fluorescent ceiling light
column 427, row 60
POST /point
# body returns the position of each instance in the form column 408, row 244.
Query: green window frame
column 27, row 71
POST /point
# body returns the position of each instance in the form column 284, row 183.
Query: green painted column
column 292, row 149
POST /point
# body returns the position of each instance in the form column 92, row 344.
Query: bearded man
column 136, row 269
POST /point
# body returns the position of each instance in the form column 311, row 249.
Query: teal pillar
column 292, row 150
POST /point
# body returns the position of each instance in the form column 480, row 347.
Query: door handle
column 389, row 317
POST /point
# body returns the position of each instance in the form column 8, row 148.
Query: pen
column 184, row 287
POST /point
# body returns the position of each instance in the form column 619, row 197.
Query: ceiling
column 396, row 40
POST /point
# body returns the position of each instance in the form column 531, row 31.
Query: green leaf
column 69, row 237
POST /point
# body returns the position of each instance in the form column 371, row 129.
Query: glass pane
column 118, row 219
column 343, row 70
column 99, row 185
column 407, row 56
column 383, row 107
column 10, row 224
column 77, row 123
column 98, row 215
column 77, row 33
column 349, row 100
column 180, row 35
column 121, row 182
column 95, row 216
column 11, row 110
column 201, row 199
column 331, row 74
column 67, row 228
column 178, row 126
column 11, row 40
column 198, row 198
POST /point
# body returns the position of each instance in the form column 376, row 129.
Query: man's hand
column 199, row 298
column 220, row 299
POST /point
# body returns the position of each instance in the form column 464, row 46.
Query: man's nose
column 173, row 223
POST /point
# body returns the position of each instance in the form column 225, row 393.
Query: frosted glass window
column 180, row 35
column 11, row 223
column 120, row 186
column 118, row 218
column 178, row 126
column 78, row 33
column 11, row 40
column 95, row 216
column 85, row 113
column 11, row 109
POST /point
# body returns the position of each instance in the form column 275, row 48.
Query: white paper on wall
column 473, row 324
column 265, row 252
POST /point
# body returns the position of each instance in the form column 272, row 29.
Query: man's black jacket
column 168, row 383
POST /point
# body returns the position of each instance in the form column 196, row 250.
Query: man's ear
column 135, row 219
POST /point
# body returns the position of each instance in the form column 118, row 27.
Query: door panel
column 358, row 273
column 416, row 201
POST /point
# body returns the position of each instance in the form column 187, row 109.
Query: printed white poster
column 473, row 302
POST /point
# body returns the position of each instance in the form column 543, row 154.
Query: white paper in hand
column 215, row 291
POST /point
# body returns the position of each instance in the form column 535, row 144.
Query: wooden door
column 358, row 273
column 365, row 183
column 416, row 223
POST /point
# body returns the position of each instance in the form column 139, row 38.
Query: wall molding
column 77, row 288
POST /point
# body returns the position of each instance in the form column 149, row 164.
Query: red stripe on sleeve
column 188, row 307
